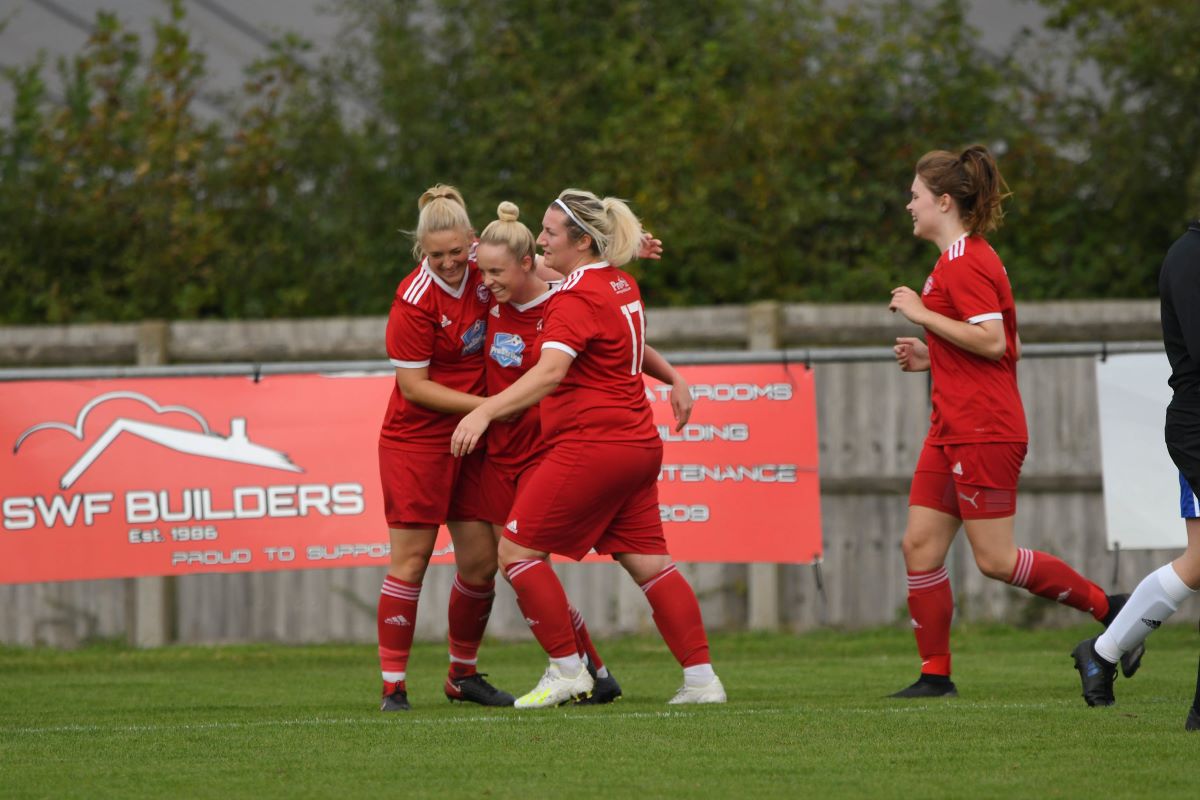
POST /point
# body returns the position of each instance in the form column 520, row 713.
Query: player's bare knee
column 409, row 567
column 917, row 549
column 478, row 571
column 642, row 567
column 994, row 566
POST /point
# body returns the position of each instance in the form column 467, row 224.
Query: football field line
column 393, row 719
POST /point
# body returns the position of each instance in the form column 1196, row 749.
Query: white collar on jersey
column 537, row 301
column 957, row 247
column 596, row 265
column 455, row 293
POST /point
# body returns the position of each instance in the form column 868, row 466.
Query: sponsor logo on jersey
column 620, row 285
column 495, row 312
column 473, row 339
column 482, row 294
column 507, row 349
column 446, row 321
column 928, row 285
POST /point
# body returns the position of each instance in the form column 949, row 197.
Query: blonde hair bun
column 508, row 212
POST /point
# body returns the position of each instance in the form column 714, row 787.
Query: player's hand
column 681, row 403
column 911, row 354
column 468, row 433
column 650, row 247
column 908, row 303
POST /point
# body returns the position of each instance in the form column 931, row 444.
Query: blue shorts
column 1189, row 504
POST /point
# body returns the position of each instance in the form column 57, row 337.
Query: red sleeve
column 973, row 291
column 570, row 324
column 410, row 335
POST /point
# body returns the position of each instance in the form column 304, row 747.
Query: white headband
column 575, row 219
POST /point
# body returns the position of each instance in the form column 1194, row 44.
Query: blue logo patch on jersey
column 473, row 339
column 507, row 349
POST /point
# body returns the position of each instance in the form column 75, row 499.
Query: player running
column 596, row 487
column 967, row 472
column 435, row 337
column 1160, row 593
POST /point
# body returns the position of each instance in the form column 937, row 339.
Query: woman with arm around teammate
column 435, row 336
column 596, row 488
column 966, row 475
column 508, row 262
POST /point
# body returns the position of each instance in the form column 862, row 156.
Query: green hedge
column 769, row 143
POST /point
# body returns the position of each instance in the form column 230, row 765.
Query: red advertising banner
column 173, row 476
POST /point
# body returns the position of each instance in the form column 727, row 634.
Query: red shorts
column 498, row 487
column 424, row 489
column 969, row 481
column 593, row 495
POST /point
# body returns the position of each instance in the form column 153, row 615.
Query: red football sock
column 677, row 615
column 397, row 619
column 544, row 605
column 470, row 606
column 1046, row 576
column 583, row 640
column 931, row 605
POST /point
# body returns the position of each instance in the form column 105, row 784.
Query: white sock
column 393, row 677
column 699, row 675
column 569, row 666
column 1154, row 600
column 602, row 672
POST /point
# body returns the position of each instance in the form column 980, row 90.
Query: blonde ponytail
column 441, row 208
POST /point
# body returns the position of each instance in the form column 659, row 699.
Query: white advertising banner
column 1141, row 483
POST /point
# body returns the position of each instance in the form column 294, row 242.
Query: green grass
column 806, row 718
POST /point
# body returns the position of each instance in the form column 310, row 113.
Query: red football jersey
column 434, row 326
column 514, row 334
column 974, row 399
column 598, row 319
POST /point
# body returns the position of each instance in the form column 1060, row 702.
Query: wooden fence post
column 150, row 602
column 765, row 332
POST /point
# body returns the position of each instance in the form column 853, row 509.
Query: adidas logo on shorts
column 512, row 526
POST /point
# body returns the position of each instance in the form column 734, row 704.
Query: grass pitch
column 806, row 718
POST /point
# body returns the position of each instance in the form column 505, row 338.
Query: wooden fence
column 872, row 419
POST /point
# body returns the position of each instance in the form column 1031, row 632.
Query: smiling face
column 509, row 280
column 935, row 218
column 925, row 210
column 559, row 252
column 447, row 253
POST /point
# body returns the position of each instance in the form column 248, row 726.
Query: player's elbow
column 994, row 348
column 554, row 374
column 410, row 391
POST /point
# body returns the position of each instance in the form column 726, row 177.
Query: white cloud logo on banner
column 236, row 447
